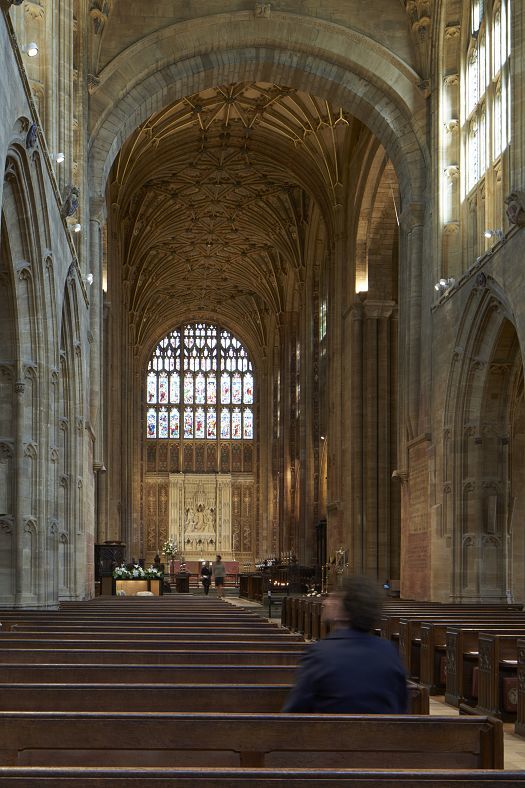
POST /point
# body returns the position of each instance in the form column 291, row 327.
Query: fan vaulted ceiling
column 213, row 198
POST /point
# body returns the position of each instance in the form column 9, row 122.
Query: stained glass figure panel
column 225, row 423
column 199, row 423
column 174, row 388
column 163, row 423
column 211, row 397
column 248, row 389
column 188, row 389
column 174, row 423
column 211, row 432
column 236, row 424
column 200, row 389
column 151, row 420
column 163, row 387
column 152, row 388
column 225, row 389
column 236, row 389
column 188, row 423
column 248, row 424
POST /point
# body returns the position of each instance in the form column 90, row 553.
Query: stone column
column 336, row 538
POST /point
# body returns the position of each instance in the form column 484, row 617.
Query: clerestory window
column 486, row 95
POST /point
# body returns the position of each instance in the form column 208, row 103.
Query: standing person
column 351, row 671
column 205, row 577
column 219, row 570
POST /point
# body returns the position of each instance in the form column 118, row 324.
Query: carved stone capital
column 34, row 10
column 451, row 125
column 262, row 10
column 452, row 172
column 515, row 209
column 451, row 80
column 452, row 32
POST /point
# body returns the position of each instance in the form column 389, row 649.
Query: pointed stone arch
column 484, row 434
column 285, row 51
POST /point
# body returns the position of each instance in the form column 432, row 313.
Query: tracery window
column 486, row 104
column 200, row 386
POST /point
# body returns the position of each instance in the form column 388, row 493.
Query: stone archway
column 483, row 452
column 337, row 72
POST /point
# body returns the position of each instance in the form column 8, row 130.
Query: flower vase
column 172, row 566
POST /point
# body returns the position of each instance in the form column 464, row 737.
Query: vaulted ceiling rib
column 212, row 195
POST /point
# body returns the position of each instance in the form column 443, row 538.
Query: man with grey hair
column 351, row 671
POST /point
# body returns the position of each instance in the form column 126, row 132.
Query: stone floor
column 514, row 745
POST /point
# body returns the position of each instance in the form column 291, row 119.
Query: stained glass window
column 192, row 370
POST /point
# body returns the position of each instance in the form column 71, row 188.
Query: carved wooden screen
column 199, row 403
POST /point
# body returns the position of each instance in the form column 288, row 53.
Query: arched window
column 486, row 95
column 200, row 387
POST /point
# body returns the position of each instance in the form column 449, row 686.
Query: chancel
column 262, row 297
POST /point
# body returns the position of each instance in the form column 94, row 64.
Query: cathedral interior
column 261, row 272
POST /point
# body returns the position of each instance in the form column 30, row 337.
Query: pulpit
column 182, row 583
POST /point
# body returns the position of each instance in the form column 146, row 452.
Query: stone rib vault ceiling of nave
column 214, row 197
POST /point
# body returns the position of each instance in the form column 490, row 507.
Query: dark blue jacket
column 350, row 672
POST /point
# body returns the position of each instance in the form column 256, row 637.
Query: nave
column 187, row 690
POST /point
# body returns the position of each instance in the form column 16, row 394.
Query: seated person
column 351, row 671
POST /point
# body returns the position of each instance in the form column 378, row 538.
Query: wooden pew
column 520, row 714
column 134, row 739
column 11, row 642
column 496, row 652
column 228, row 698
column 434, row 649
column 209, row 777
column 410, row 631
column 41, row 673
column 462, row 659
column 174, row 656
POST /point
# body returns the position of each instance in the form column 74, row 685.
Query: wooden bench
column 174, row 656
column 463, row 657
column 11, row 641
column 41, row 673
column 227, row 698
column 410, row 631
column 280, row 740
column 433, row 671
column 209, row 777
column 497, row 653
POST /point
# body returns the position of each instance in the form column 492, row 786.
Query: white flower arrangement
column 169, row 548
column 122, row 572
